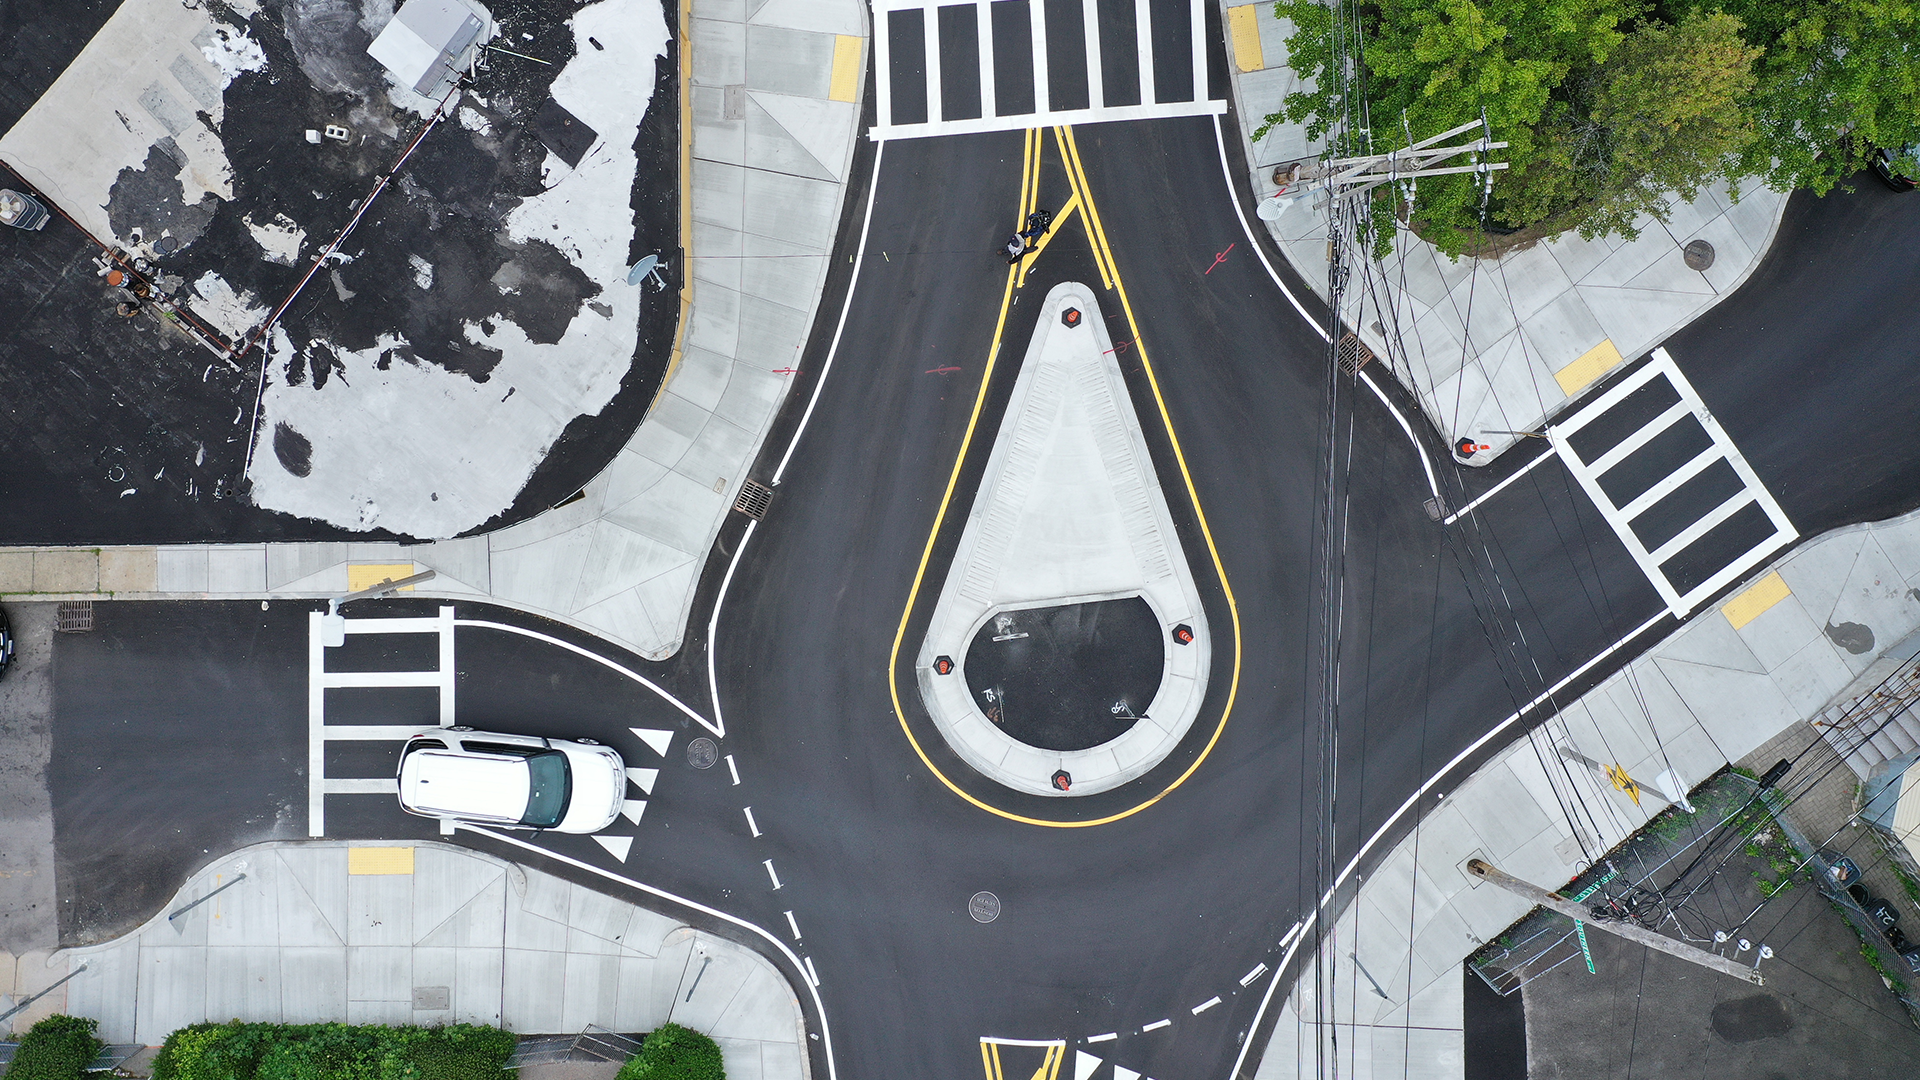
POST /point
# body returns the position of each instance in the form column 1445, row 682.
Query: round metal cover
column 702, row 753
column 1699, row 254
column 984, row 907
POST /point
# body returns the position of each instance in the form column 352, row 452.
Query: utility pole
column 1342, row 177
column 1536, row 894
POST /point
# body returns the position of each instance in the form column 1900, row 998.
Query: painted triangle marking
column 655, row 737
column 631, row 809
column 1083, row 1063
column 644, row 778
column 1121, row 1072
column 617, row 846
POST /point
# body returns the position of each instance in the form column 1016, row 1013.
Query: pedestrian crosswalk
column 1673, row 486
column 1002, row 65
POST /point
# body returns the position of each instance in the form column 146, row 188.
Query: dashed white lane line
column 1108, row 1037
column 1156, row 1026
column 776, row 877
column 794, row 925
column 1205, row 1005
column 1259, row 970
column 751, row 824
column 734, row 770
column 812, row 974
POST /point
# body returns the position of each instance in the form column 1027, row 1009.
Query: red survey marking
column 941, row 370
column 1222, row 257
column 1120, row 348
column 786, row 371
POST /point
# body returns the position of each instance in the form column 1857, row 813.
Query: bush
column 672, row 1052
column 237, row 1051
column 57, row 1048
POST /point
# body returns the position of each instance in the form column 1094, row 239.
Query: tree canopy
column 1612, row 107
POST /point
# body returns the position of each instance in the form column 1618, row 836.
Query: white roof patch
column 424, row 42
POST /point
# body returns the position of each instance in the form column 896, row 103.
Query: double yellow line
column 1081, row 200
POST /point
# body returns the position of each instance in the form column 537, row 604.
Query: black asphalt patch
column 127, row 431
column 563, row 133
column 1067, row 677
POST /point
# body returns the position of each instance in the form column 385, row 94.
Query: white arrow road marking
column 617, row 846
column 644, row 778
column 631, row 809
column 1084, row 1064
column 657, row 738
column 1122, row 1073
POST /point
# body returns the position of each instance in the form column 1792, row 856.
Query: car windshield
column 551, row 785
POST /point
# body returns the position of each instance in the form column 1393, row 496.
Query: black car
column 1896, row 166
column 6, row 643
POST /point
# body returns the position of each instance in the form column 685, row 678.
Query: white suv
column 511, row 781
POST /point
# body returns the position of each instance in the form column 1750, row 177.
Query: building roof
column 424, row 43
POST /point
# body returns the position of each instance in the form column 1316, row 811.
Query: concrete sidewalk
column 418, row 934
column 1493, row 346
column 770, row 113
column 1806, row 633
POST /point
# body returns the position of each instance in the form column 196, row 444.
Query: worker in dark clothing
column 1016, row 248
column 1038, row 223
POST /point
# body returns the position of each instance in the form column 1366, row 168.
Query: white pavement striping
column 1205, row 1005
column 1621, row 518
column 1083, row 1062
column 442, row 678
column 1156, row 1026
column 936, row 54
column 719, row 731
column 752, row 825
column 1498, row 488
column 768, row 863
column 320, row 680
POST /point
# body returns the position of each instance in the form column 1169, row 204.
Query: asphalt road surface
column 1446, row 630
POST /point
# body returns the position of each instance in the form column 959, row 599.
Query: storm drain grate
column 753, row 500
column 75, row 616
column 1354, row 354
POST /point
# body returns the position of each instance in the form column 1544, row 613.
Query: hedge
column 672, row 1052
column 57, row 1048
column 241, row 1051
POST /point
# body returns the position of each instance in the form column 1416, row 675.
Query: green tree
column 56, row 1048
column 1839, row 77
column 1671, row 117
column 672, row 1052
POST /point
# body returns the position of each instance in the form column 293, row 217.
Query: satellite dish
column 642, row 268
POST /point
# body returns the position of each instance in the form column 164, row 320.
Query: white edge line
column 997, row 1041
column 1226, row 173
column 1552, row 450
column 846, row 305
column 719, row 730
column 1300, row 929
column 826, row 1032
column 713, row 630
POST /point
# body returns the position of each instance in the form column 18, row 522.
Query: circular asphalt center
column 1067, row 677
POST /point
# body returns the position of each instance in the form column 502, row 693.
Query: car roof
column 469, row 784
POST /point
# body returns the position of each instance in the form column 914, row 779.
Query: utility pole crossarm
column 1538, row 895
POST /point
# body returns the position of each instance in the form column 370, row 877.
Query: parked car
column 6, row 643
column 1897, row 167
column 511, row 781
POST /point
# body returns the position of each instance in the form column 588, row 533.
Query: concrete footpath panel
column 1797, row 638
column 421, row 934
column 1496, row 346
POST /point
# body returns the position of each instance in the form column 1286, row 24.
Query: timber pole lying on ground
column 1631, row 932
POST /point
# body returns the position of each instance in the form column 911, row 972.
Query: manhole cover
column 1699, row 254
column 702, row 753
column 984, row 907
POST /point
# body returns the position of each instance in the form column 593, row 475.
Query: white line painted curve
column 826, row 1032
column 719, row 730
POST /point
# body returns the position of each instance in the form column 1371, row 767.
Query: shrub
column 237, row 1051
column 672, row 1052
column 57, row 1048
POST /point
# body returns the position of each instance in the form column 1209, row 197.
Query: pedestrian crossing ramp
column 1003, row 65
column 1672, row 485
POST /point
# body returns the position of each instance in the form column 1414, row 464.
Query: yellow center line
column 1084, row 197
column 1102, row 259
column 1033, row 255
